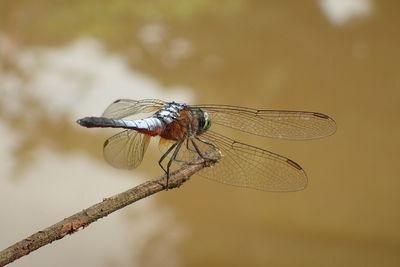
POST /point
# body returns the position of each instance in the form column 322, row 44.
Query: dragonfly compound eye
column 206, row 120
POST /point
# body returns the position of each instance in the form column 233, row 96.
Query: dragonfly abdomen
column 150, row 126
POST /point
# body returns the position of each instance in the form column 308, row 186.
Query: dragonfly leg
column 205, row 141
column 177, row 148
column 188, row 146
column 187, row 140
column 198, row 149
column 165, row 155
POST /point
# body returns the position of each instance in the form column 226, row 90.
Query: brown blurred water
column 262, row 54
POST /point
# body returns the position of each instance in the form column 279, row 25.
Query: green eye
column 207, row 121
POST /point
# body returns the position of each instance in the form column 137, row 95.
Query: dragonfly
column 187, row 131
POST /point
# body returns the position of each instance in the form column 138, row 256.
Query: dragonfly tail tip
column 85, row 122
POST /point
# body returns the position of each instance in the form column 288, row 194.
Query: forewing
column 123, row 108
column 246, row 166
column 298, row 125
column 125, row 150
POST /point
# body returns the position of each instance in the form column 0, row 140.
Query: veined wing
column 126, row 149
column 283, row 124
column 123, row 108
column 247, row 166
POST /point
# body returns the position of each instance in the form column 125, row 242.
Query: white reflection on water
column 83, row 78
column 152, row 33
column 339, row 12
column 157, row 40
column 80, row 79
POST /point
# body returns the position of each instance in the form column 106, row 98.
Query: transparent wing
column 164, row 144
column 125, row 150
column 123, row 108
column 246, row 166
column 283, row 124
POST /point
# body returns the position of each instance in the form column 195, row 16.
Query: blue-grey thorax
column 169, row 112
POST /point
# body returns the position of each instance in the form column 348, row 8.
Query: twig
column 82, row 219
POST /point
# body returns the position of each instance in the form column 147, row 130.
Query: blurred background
column 63, row 60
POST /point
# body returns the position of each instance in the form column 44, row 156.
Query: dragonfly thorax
column 170, row 111
column 181, row 121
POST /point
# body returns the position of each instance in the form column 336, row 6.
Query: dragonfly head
column 205, row 120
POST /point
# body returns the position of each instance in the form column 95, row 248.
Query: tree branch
column 82, row 219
